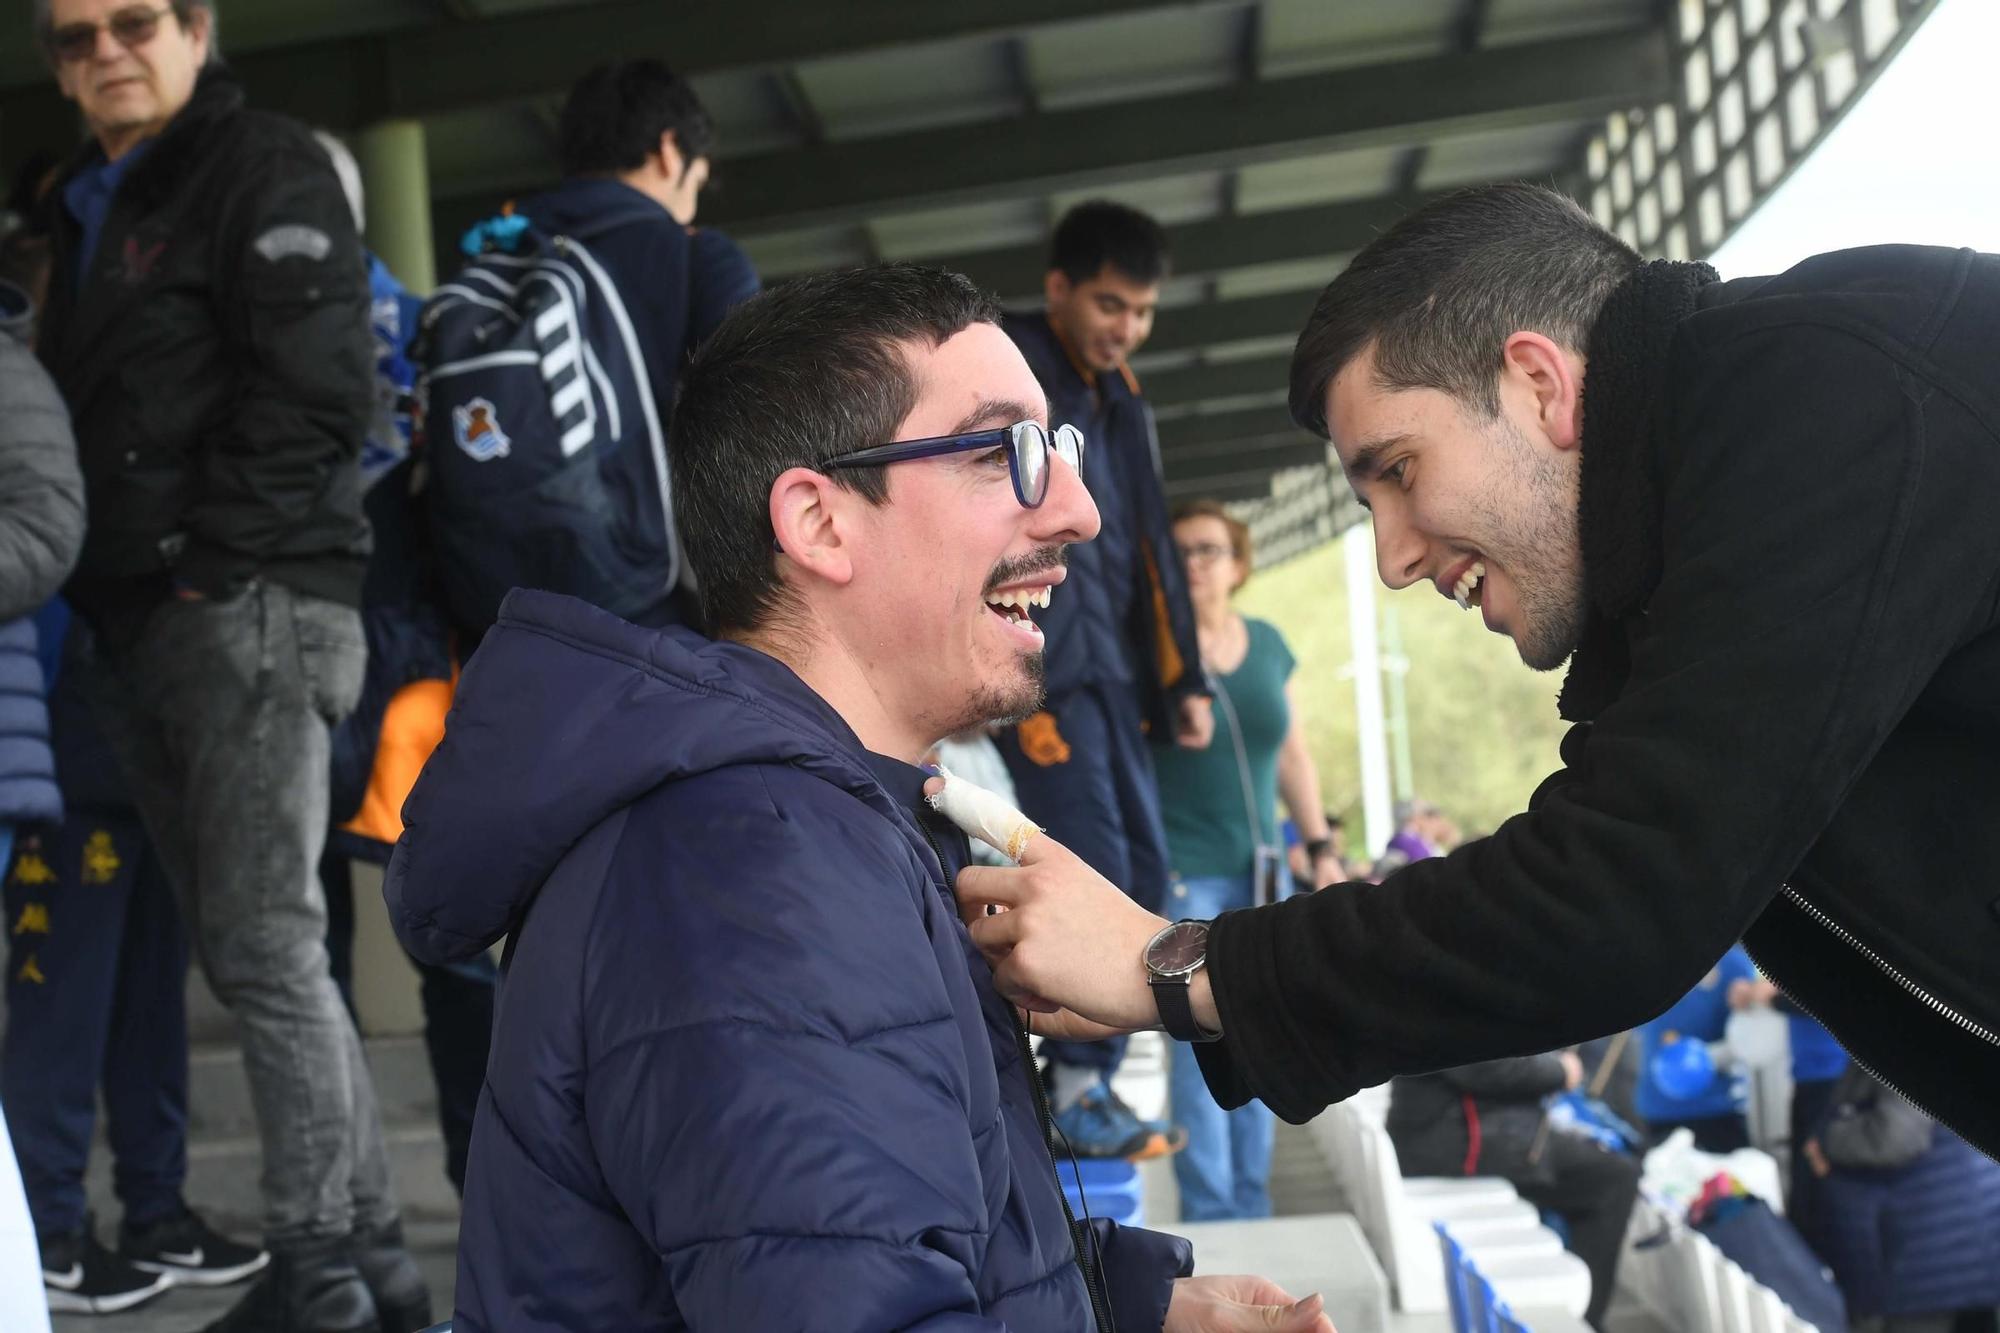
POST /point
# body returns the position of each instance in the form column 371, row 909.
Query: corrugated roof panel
column 781, row 254
column 1512, row 21
column 1170, row 199
column 1136, row 55
column 968, row 227
column 749, row 114
column 1323, row 178
column 928, row 86
column 1537, row 152
column 1290, row 276
column 1299, row 36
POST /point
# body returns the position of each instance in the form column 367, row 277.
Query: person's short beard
column 1005, row 707
column 1536, row 506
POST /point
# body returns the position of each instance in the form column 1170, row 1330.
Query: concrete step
column 219, row 1104
column 223, row 1177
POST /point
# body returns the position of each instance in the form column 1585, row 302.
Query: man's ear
column 809, row 521
column 1055, row 288
column 1536, row 369
column 201, row 27
column 671, row 160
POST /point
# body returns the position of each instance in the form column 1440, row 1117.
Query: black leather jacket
column 217, row 362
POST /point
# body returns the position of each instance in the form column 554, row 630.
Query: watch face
column 1179, row 949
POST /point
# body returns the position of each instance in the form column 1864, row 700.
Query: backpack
column 545, row 451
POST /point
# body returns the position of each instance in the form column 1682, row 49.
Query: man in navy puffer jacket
column 748, row 1070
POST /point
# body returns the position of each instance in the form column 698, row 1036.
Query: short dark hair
column 614, row 117
column 1100, row 234
column 1438, row 294
column 804, row 372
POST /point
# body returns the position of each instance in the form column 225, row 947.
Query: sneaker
column 82, row 1277
column 189, row 1251
column 1098, row 1124
column 1165, row 1138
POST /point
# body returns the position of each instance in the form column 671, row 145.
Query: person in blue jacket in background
column 1713, row 1106
column 749, row 1071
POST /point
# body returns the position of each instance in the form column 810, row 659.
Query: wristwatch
column 1172, row 958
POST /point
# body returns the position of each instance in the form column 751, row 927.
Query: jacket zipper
column 1099, row 1306
column 1882, row 965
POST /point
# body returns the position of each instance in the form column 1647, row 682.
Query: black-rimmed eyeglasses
column 1027, row 443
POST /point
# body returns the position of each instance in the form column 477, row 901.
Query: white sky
column 1916, row 160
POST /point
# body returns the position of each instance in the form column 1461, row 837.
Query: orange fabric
column 1042, row 742
column 1172, row 665
column 412, row 726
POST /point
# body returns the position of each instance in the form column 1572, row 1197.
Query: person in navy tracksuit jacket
column 749, row 1071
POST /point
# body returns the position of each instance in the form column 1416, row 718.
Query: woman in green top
column 1220, row 807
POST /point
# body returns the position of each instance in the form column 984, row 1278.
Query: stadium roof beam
column 346, row 82
column 1227, row 379
column 1559, row 81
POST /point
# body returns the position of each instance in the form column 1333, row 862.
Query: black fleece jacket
column 1787, row 722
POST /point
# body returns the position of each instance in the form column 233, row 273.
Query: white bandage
column 984, row 815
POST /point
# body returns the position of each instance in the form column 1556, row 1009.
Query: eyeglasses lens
column 131, row 27
column 1031, row 462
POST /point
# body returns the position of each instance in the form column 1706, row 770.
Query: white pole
column 1358, row 547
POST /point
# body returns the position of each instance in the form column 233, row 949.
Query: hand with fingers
column 1063, row 941
column 1241, row 1304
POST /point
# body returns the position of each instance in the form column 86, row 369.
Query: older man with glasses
column 207, row 323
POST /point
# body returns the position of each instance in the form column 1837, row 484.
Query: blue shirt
column 392, row 320
column 1700, row 1015
column 88, row 198
column 1816, row 1056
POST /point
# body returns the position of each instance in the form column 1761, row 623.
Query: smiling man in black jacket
column 1758, row 520
column 207, row 323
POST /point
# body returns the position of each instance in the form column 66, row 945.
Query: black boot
column 310, row 1287
column 402, row 1297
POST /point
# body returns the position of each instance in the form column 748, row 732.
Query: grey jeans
column 219, row 713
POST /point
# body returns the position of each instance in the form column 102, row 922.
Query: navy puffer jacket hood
column 748, row 1070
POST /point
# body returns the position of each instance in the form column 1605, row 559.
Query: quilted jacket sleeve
column 787, row 1123
column 41, row 492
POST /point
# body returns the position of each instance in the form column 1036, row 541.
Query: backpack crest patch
column 476, row 428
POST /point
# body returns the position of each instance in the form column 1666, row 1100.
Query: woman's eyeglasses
column 1203, row 553
column 1027, row 443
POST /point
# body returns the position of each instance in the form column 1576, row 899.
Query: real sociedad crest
column 476, row 427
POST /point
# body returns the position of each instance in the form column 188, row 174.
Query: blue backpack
column 545, row 451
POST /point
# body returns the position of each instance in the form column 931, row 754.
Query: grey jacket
column 41, row 491
column 1872, row 1126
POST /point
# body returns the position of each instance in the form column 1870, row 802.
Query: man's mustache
column 1020, row 567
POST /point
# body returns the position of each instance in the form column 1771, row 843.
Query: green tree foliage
column 1483, row 728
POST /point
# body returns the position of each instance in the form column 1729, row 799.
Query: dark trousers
column 219, row 713
column 96, row 993
column 1082, row 771
column 458, row 1013
column 1718, row 1134
column 1811, row 1100
column 1593, row 1189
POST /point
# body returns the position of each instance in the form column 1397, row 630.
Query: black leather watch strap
column 1177, row 1012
